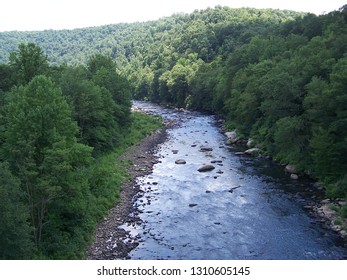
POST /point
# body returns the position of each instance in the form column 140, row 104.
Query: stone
column 192, row 204
column 252, row 151
column 290, row 169
column 250, row 143
column 206, row 168
column 294, row 176
column 231, row 134
column 180, row 161
column 232, row 137
column 175, row 152
column 205, row 149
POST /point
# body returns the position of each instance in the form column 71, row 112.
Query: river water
column 246, row 208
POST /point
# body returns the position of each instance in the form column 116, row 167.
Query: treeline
column 58, row 126
column 142, row 42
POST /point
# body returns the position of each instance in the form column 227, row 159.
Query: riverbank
column 111, row 241
column 327, row 211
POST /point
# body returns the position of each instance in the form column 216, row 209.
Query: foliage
column 15, row 231
column 28, row 62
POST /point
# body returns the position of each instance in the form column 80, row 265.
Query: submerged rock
column 206, row 168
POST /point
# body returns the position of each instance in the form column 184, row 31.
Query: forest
column 278, row 77
column 62, row 129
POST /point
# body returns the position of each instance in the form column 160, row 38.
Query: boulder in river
column 206, row 168
column 180, row 161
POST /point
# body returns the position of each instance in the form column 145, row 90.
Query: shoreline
column 110, row 241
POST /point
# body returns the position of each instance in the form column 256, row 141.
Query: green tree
column 104, row 74
column 291, row 141
column 28, row 62
column 6, row 77
column 93, row 108
column 15, row 231
column 42, row 150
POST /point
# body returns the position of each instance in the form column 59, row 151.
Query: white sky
column 27, row 15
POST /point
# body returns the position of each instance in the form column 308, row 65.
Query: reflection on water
column 242, row 209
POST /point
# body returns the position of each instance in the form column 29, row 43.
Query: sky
column 32, row 15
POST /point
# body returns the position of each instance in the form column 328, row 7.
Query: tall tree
column 42, row 149
column 104, row 74
column 28, row 62
column 93, row 109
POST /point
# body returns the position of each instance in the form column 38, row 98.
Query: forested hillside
column 62, row 129
column 278, row 77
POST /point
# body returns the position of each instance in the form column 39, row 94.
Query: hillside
column 121, row 41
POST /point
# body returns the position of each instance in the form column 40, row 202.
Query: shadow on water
column 244, row 208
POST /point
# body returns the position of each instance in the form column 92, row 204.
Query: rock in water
column 180, row 161
column 205, row 149
column 206, row 168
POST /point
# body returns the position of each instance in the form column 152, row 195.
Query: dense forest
column 278, row 77
column 61, row 131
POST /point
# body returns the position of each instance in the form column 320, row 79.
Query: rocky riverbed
column 111, row 241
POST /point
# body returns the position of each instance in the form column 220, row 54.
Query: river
column 246, row 208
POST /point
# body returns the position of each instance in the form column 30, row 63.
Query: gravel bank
column 110, row 241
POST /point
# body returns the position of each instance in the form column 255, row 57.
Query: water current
column 245, row 208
